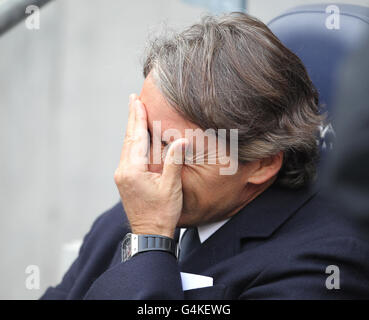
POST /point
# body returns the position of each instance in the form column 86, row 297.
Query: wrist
column 133, row 244
column 153, row 231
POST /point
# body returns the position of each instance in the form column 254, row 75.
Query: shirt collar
column 206, row 230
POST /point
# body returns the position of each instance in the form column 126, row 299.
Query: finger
column 130, row 128
column 174, row 161
column 140, row 117
column 139, row 149
column 132, row 114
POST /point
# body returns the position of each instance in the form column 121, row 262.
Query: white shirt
column 206, row 230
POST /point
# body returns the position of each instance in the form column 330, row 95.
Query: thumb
column 174, row 161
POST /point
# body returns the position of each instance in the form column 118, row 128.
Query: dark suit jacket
column 277, row 247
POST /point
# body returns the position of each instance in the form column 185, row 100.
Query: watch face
column 126, row 248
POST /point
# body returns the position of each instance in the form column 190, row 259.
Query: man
column 261, row 230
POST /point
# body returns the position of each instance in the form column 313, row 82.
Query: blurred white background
column 63, row 110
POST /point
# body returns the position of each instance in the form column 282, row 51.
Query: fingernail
column 138, row 103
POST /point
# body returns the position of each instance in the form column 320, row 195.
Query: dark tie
column 189, row 242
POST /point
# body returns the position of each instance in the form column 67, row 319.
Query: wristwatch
column 133, row 244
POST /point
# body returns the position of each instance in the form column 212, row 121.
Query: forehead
column 158, row 109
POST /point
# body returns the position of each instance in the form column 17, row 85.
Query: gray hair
column 232, row 72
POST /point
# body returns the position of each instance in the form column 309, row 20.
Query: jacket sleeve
column 147, row 275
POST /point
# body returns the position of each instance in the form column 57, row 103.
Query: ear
column 266, row 168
